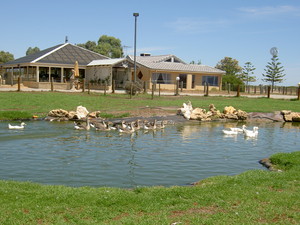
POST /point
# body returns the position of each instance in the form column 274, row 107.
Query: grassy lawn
column 16, row 105
column 253, row 197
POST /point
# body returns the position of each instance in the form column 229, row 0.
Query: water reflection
column 55, row 153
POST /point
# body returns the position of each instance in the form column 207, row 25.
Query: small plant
column 133, row 88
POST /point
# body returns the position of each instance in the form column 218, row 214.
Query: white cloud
column 196, row 25
column 270, row 10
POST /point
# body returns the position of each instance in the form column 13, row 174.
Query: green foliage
column 274, row 72
column 31, row 50
column 107, row 45
column 5, row 57
column 232, row 69
column 286, row 161
column 248, row 71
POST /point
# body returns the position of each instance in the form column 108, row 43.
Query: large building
column 57, row 64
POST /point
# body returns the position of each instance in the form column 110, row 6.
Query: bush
column 133, row 88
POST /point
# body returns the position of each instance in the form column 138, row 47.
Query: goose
column 149, row 126
column 239, row 130
column 127, row 130
column 100, row 125
column 161, row 125
column 79, row 126
column 230, row 132
column 251, row 133
column 17, row 127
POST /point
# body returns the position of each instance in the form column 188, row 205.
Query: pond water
column 55, row 153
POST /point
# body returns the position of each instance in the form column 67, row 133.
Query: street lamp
column 135, row 20
column 177, row 85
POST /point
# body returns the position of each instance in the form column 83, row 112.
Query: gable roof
column 172, row 63
column 60, row 54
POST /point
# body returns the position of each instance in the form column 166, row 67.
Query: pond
column 55, row 153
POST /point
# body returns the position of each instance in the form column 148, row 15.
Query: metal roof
column 172, row 63
column 106, row 62
column 59, row 54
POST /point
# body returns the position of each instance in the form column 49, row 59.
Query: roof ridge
column 90, row 51
column 48, row 53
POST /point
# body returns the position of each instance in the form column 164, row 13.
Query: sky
column 193, row 30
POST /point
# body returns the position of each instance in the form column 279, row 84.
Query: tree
column 274, row 72
column 248, row 71
column 5, row 57
column 90, row 45
column 32, row 50
column 107, row 45
column 232, row 69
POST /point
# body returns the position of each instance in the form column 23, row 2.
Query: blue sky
column 193, row 30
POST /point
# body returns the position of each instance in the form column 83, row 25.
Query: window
column 161, row 78
column 211, row 80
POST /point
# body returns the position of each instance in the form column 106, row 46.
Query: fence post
column 206, row 90
column 255, row 90
column 51, row 83
column 152, row 94
column 83, row 85
column 238, row 91
column 181, row 86
column 89, row 87
column 19, row 83
column 269, row 90
column 159, row 90
column 229, row 88
column 113, row 86
column 105, row 87
column 131, row 88
column 298, row 93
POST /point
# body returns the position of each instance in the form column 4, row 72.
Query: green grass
column 253, row 197
column 40, row 103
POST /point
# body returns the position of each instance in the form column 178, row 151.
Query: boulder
column 229, row 110
column 289, row 116
column 186, row 110
column 95, row 114
column 242, row 115
column 81, row 112
column 58, row 113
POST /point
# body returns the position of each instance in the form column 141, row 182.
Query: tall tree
column 31, row 50
column 110, row 46
column 274, row 73
column 232, row 69
column 5, row 57
column 248, row 71
column 107, row 45
column 90, row 45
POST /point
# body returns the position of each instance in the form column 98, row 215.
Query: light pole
column 135, row 20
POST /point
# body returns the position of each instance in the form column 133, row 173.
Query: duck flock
column 122, row 127
column 247, row 133
column 131, row 127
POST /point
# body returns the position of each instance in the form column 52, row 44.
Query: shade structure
column 76, row 69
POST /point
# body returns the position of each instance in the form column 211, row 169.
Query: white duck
column 230, row 132
column 239, row 130
column 251, row 133
column 17, row 127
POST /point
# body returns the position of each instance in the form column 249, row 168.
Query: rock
column 242, row 115
column 198, row 114
column 81, row 112
column 95, row 114
column 231, row 116
column 58, row 113
column 72, row 115
column 229, row 110
column 291, row 116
